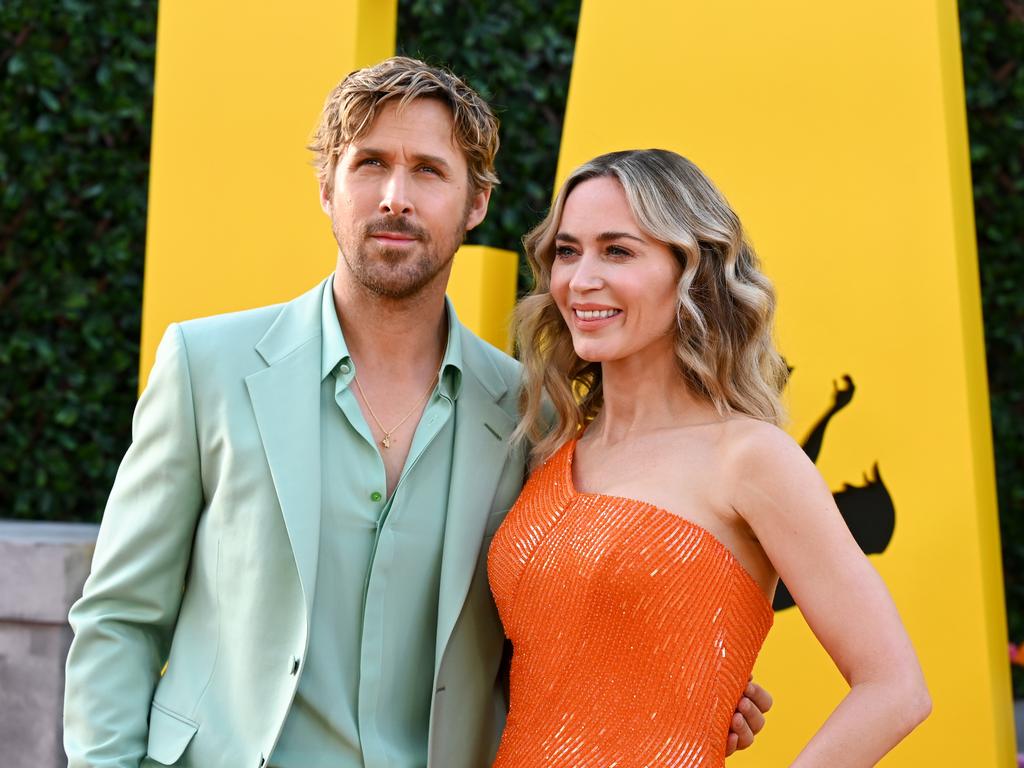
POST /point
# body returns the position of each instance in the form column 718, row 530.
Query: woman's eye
column 618, row 251
column 564, row 252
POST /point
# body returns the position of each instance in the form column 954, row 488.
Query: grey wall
column 42, row 569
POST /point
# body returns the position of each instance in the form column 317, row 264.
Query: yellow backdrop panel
column 838, row 133
column 234, row 220
column 483, row 289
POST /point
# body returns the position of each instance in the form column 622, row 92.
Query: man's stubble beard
column 394, row 273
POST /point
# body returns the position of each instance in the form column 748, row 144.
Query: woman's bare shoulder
column 768, row 474
column 752, row 448
column 747, row 433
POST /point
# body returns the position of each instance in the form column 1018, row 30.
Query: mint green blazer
column 207, row 554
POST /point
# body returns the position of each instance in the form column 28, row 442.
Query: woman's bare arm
column 784, row 500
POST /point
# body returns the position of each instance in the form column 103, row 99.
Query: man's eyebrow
column 420, row 159
column 432, row 160
column 601, row 238
column 367, row 152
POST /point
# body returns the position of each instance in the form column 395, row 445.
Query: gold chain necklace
column 386, row 440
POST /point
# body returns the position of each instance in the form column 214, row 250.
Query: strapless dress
column 634, row 631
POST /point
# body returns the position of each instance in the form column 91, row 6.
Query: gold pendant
column 386, row 442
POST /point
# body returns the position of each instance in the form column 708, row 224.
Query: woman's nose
column 586, row 276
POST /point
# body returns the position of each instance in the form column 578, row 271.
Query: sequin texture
column 634, row 631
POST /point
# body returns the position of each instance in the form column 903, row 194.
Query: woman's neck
column 643, row 395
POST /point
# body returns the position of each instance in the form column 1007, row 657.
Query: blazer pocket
column 169, row 734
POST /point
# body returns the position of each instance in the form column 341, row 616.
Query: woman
column 635, row 573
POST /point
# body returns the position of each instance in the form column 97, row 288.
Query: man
column 300, row 526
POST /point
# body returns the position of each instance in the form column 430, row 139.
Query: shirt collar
column 335, row 359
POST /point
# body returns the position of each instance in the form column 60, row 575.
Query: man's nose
column 395, row 199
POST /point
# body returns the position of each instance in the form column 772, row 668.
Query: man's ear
column 326, row 195
column 478, row 207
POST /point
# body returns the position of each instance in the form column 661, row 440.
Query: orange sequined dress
column 633, row 630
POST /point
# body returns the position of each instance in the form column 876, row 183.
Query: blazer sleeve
column 125, row 619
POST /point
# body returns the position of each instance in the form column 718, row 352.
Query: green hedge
column 74, row 145
column 992, row 32
column 74, row 157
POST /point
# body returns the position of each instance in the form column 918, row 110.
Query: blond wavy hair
column 353, row 105
column 724, row 311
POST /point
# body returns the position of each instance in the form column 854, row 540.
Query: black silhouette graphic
column 867, row 509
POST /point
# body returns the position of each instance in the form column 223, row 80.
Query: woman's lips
column 594, row 318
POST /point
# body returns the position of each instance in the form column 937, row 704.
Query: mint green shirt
column 365, row 692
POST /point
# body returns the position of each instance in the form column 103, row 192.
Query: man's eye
column 430, row 169
column 368, row 161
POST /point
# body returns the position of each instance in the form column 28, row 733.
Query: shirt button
column 344, row 368
column 375, row 496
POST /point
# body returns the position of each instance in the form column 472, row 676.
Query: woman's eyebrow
column 603, row 237
column 618, row 236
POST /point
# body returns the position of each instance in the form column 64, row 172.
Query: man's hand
column 748, row 720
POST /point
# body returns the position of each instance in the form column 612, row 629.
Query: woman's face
column 613, row 284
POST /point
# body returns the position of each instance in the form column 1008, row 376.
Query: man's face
column 402, row 201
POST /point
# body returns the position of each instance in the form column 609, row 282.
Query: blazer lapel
column 482, row 429
column 286, row 400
